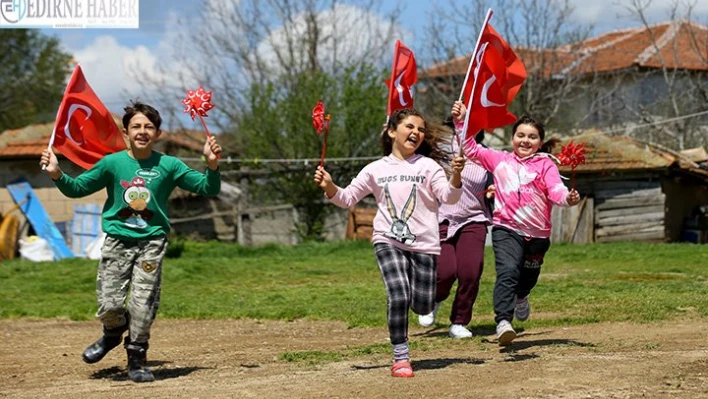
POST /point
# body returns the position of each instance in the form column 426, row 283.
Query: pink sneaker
column 402, row 369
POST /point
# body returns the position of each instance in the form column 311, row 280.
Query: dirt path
column 241, row 359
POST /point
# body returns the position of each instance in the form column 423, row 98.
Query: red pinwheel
column 320, row 122
column 318, row 117
column 572, row 155
column 197, row 103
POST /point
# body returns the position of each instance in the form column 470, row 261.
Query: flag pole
column 476, row 48
column 474, row 84
column 469, row 107
column 393, row 77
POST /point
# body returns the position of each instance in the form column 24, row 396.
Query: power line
column 656, row 123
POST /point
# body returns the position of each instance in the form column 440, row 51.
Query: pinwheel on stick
column 320, row 121
column 197, row 103
column 572, row 155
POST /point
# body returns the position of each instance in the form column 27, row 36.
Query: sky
column 106, row 55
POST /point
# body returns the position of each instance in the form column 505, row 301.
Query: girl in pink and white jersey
column 528, row 184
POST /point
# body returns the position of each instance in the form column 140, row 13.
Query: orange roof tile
column 680, row 44
column 606, row 153
column 31, row 140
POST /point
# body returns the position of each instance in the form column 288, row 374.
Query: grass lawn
column 340, row 281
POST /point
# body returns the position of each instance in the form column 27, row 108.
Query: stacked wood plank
column 360, row 224
column 629, row 211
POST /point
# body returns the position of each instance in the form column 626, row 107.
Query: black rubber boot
column 99, row 349
column 137, row 360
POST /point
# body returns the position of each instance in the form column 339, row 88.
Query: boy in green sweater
column 138, row 182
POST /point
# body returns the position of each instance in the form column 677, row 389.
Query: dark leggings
column 462, row 259
column 518, row 263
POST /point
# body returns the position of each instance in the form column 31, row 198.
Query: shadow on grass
column 116, row 373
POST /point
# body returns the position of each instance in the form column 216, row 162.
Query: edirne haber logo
column 69, row 14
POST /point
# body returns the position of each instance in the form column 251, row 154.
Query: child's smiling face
column 141, row 133
column 526, row 140
column 408, row 136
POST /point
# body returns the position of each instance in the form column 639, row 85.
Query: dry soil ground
column 241, row 359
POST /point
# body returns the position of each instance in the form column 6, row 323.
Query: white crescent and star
column 399, row 88
column 73, row 108
column 484, row 99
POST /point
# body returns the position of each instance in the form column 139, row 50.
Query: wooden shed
column 632, row 191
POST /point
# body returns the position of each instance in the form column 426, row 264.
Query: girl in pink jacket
column 408, row 185
column 527, row 184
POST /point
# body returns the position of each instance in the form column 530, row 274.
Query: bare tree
column 673, row 80
column 232, row 45
column 269, row 61
column 543, row 37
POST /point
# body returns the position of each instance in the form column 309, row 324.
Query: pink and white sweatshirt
column 527, row 188
column 407, row 193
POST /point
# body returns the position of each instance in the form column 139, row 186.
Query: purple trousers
column 462, row 259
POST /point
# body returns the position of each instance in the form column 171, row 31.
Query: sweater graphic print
column 136, row 197
column 400, row 231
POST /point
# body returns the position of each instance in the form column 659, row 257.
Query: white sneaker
column 460, row 331
column 505, row 333
column 522, row 311
column 427, row 320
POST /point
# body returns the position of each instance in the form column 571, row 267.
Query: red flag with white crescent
column 84, row 130
column 404, row 75
column 494, row 77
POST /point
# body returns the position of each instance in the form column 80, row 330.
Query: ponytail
column 549, row 144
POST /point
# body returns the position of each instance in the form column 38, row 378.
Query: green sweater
column 136, row 207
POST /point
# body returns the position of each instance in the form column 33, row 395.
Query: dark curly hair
column 431, row 145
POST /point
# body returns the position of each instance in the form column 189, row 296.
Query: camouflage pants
column 136, row 265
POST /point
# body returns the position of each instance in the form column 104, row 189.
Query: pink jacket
column 526, row 189
column 407, row 193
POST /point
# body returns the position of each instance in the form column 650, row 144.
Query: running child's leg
column 394, row 266
column 534, row 251
column 509, row 256
column 470, row 264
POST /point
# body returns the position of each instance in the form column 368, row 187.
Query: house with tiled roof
column 613, row 71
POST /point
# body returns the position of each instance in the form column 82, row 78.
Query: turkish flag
column 404, row 74
column 497, row 75
column 84, row 130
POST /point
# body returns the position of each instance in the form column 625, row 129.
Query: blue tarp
column 43, row 226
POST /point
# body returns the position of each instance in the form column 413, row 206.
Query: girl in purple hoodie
column 527, row 184
column 408, row 185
